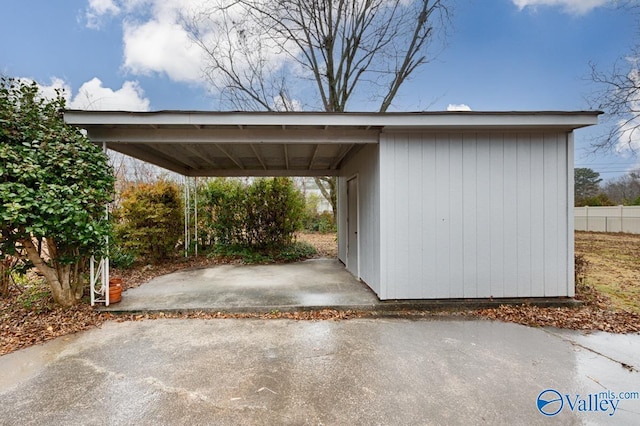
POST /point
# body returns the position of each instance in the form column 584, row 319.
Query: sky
column 498, row 55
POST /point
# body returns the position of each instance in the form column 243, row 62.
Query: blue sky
column 499, row 55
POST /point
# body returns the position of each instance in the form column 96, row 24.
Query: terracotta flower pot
column 115, row 290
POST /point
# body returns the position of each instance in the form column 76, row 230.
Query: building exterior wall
column 364, row 165
column 475, row 215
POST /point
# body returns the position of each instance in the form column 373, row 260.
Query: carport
column 431, row 205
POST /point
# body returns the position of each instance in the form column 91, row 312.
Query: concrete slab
column 355, row 372
column 312, row 284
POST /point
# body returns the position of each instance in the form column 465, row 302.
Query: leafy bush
column 274, row 212
column 320, row 222
column 598, row 200
column 262, row 215
column 120, row 257
column 295, row 251
column 54, row 186
column 149, row 223
column 221, row 212
column 313, row 221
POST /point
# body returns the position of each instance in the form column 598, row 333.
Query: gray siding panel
column 366, row 166
column 471, row 215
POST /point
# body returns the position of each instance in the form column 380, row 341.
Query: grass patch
column 613, row 267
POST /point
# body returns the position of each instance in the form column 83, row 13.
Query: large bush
column 54, row 186
column 149, row 223
column 263, row 214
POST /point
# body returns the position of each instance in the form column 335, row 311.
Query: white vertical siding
column 365, row 165
column 571, row 285
column 466, row 215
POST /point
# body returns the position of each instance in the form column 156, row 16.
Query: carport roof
column 206, row 143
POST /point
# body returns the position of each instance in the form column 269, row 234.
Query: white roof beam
column 313, row 157
column 342, row 154
column 172, row 154
column 198, row 153
column 261, row 173
column 231, row 157
column 257, row 154
column 286, row 157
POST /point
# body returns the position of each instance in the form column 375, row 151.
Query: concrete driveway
column 353, row 372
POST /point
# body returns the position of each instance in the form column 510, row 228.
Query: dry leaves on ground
column 24, row 324
column 582, row 318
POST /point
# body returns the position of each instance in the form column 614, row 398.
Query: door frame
column 357, row 206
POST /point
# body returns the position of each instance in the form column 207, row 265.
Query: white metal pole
column 105, row 260
column 186, row 216
column 195, row 214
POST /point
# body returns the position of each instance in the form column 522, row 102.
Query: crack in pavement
column 624, row 365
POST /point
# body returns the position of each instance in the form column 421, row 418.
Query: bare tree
column 618, row 95
column 260, row 50
column 624, row 189
column 314, row 54
column 619, row 99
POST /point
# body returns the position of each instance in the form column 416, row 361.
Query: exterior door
column 352, row 226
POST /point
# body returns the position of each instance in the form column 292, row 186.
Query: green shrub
column 313, row 221
column 598, row 200
column 296, row 251
column 149, row 224
column 274, row 212
column 292, row 252
column 262, row 215
column 320, row 222
column 221, row 212
column 120, row 257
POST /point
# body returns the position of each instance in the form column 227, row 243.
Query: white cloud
column 162, row 47
column 93, row 95
column 281, row 103
column 578, row 7
column 49, row 91
column 458, row 107
column 99, row 8
column 155, row 40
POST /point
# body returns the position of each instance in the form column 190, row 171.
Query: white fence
column 608, row 219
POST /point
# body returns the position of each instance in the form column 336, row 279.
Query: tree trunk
column 64, row 281
column 328, row 188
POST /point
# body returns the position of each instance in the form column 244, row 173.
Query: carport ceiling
column 199, row 143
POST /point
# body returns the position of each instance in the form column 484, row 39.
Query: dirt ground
column 325, row 244
column 613, row 267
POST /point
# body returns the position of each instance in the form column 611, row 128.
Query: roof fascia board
column 449, row 119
